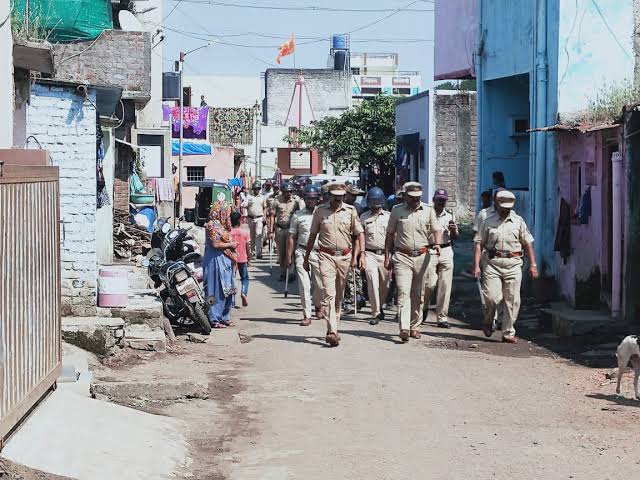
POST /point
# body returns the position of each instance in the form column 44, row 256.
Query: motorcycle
column 175, row 274
column 183, row 248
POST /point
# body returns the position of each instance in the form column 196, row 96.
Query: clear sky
column 408, row 32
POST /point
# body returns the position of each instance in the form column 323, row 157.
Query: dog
column 629, row 353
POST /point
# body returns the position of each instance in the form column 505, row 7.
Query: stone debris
column 129, row 240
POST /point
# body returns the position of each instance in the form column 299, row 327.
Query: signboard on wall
column 401, row 81
column 300, row 160
column 370, row 81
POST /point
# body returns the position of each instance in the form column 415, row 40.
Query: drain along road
column 376, row 409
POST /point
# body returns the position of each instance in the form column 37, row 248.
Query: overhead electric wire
column 606, row 24
column 375, row 22
column 178, row 2
column 309, row 8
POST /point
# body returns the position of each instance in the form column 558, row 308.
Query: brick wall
column 456, row 143
column 115, row 58
column 122, row 166
column 329, row 93
column 65, row 125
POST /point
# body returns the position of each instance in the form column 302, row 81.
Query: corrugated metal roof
column 582, row 128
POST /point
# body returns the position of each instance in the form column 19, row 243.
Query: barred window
column 195, row 174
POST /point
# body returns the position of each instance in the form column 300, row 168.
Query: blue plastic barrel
column 340, row 42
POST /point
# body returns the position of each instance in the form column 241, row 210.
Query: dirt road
column 284, row 406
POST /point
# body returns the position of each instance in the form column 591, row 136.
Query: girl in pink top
column 242, row 238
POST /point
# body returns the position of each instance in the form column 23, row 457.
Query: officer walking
column 333, row 225
column 440, row 270
column 354, row 288
column 282, row 210
column 374, row 223
column 296, row 247
column 256, row 204
column 409, row 228
column 500, row 243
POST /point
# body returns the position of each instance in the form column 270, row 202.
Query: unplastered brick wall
column 117, row 57
column 456, row 143
column 64, row 123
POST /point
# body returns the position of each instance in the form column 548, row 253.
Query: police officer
column 440, row 270
column 351, row 295
column 296, row 246
column 374, row 223
column 256, row 204
column 409, row 228
column 282, row 210
column 500, row 243
column 333, row 225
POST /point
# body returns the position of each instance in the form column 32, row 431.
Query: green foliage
column 468, row 85
column 609, row 101
column 361, row 137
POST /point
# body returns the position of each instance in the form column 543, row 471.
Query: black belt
column 253, row 217
column 377, row 252
column 283, row 226
column 442, row 245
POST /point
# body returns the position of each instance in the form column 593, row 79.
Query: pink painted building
column 589, row 259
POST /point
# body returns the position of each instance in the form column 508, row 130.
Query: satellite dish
column 129, row 22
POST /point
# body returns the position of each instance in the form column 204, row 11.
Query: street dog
column 629, row 352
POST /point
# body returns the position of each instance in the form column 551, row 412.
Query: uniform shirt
column 482, row 214
column 335, row 229
column 255, row 205
column 375, row 229
column 301, row 226
column 508, row 235
column 283, row 210
column 443, row 221
column 412, row 227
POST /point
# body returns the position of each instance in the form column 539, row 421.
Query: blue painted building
column 537, row 63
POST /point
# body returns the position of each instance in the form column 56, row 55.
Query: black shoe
column 444, row 325
column 380, row 315
column 374, row 321
column 281, row 279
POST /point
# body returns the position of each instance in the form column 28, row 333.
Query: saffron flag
column 287, row 48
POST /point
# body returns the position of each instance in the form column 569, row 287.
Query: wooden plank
column 28, row 174
column 18, row 413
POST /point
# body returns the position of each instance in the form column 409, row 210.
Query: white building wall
column 104, row 215
column 151, row 115
column 590, row 58
column 413, row 115
column 65, row 125
column 224, row 90
column 6, row 77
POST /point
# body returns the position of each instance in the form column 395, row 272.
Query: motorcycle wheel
column 201, row 319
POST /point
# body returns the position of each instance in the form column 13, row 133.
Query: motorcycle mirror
column 145, row 262
column 165, row 228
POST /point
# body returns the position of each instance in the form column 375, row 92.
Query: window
column 402, row 91
column 195, row 174
column 355, row 70
column 371, row 91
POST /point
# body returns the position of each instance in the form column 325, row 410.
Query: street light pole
column 181, row 68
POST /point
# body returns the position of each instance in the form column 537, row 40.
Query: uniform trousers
column 281, row 245
column 256, row 226
column 333, row 271
column 440, row 274
column 309, row 283
column 410, row 277
column 501, row 279
column 378, row 282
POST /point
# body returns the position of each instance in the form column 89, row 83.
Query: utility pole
column 256, row 113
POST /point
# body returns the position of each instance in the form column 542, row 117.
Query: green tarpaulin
column 66, row 20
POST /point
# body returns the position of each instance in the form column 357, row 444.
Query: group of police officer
column 327, row 239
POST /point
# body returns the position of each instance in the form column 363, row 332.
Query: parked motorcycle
column 172, row 267
column 180, row 249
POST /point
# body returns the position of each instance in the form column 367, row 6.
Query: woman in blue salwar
column 219, row 262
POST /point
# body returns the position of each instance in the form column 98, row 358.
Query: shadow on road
column 616, row 399
column 319, row 341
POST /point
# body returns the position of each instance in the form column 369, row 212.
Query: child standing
column 242, row 238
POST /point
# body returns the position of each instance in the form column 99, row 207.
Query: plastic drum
column 113, row 288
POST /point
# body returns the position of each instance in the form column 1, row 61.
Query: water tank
column 340, row 60
column 340, row 42
column 170, row 86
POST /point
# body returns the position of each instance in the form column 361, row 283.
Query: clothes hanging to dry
column 563, row 232
column 583, row 211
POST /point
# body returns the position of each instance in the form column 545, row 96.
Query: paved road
column 376, row 409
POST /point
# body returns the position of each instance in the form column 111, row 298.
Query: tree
column 361, row 138
column 468, row 85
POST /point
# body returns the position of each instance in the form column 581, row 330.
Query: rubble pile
column 129, row 240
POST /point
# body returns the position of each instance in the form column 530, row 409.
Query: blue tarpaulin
column 190, row 148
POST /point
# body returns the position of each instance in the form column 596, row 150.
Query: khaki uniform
column 440, row 270
column 301, row 228
column 501, row 277
column 335, row 230
column 412, row 229
column 378, row 278
column 256, row 205
column 283, row 211
column 480, row 218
